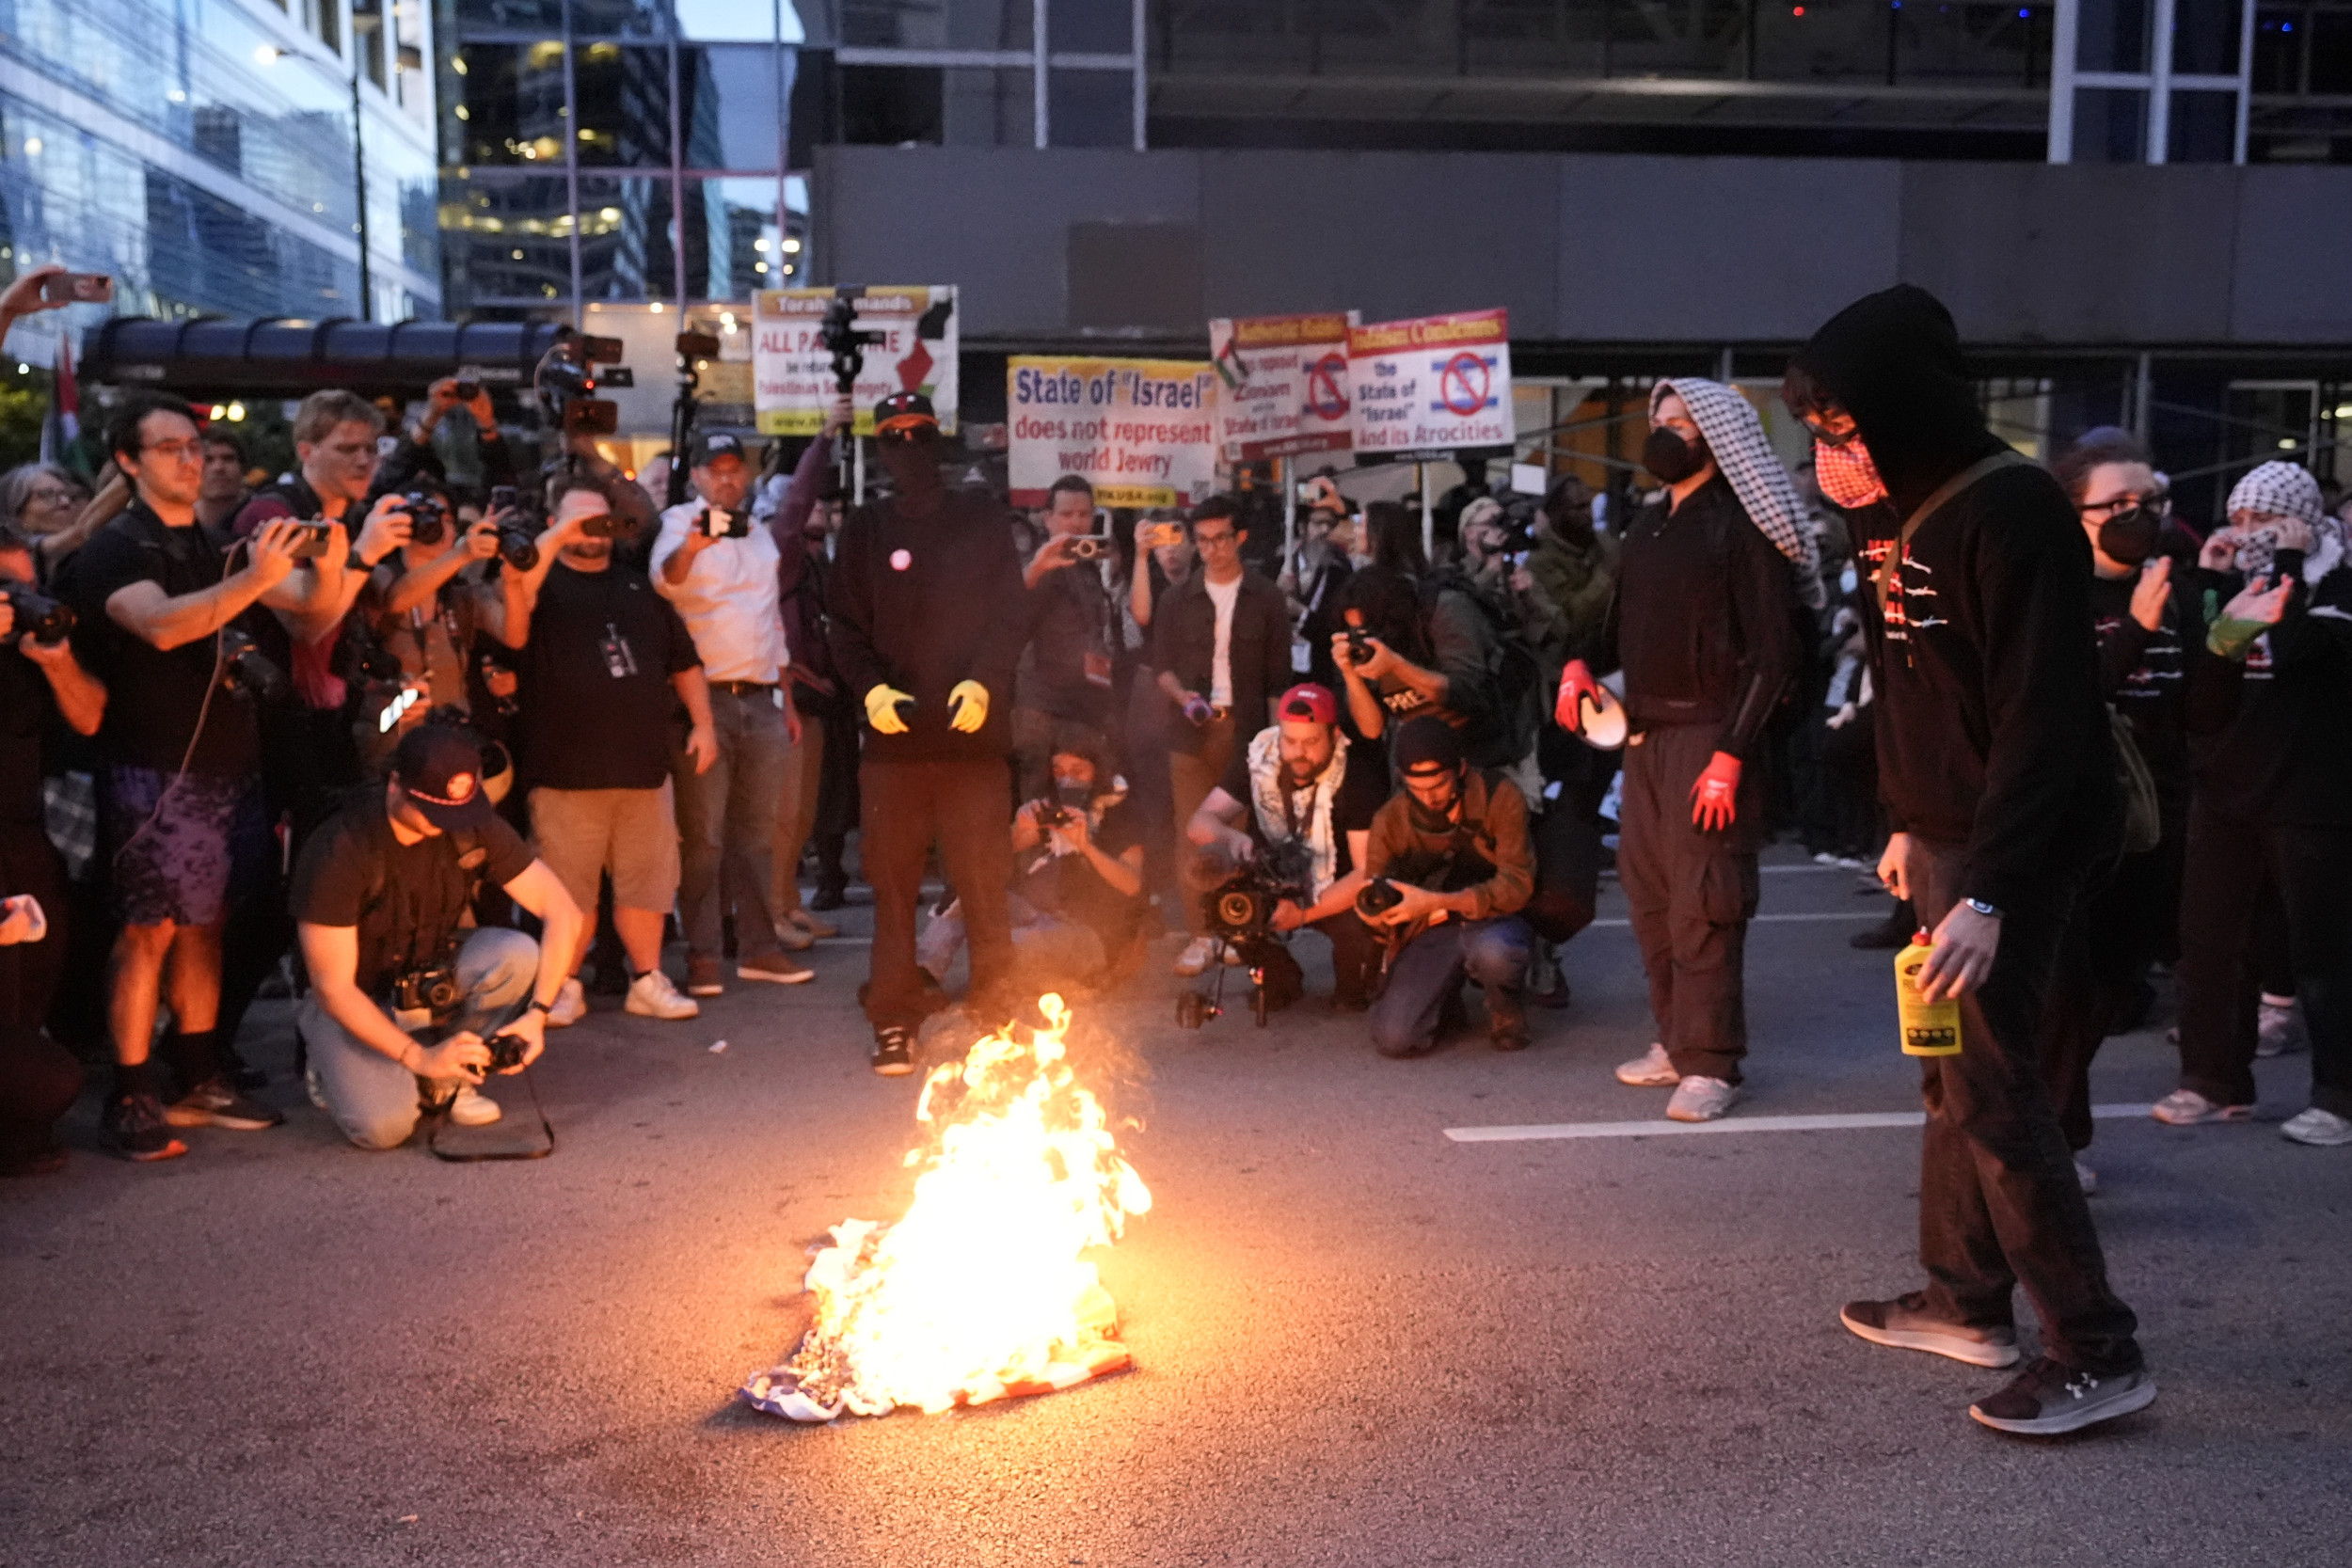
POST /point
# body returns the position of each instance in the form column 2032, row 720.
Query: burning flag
column 980, row 1292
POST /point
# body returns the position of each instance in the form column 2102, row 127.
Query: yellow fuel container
column 1930, row 1028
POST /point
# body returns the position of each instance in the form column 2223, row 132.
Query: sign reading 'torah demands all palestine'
column 792, row 379
column 1143, row 431
column 1431, row 385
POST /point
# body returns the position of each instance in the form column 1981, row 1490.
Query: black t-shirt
column 596, row 699
column 25, row 709
column 1069, row 885
column 405, row 898
column 155, row 698
column 1363, row 790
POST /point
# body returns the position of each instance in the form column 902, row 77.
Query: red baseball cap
column 439, row 769
column 1307, row 701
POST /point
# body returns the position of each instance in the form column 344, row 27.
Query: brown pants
column 796, row 814
column 966, row 808
column 1191, row 776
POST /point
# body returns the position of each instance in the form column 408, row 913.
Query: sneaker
column 652, row 995
column 1699, row 1098
column 2086, row 1178
column 1651, row 1070
column 472, row 1108
column 133, row 1126
column 782, row 968
column 2320, row 1128
column 1904, row 1325
column 571, row 1006
column 792, row 939
column 1198, row 953
column 2049, row 1397
column 704, row 978
column 2186, row 1108
column 893, row 1051
column 829, row 896
column 823, row 930
column 2276, row 1032
column 214, row 1103
column 1823, row 857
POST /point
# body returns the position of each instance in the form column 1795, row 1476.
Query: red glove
column 1713, row 795
column 1576, row 682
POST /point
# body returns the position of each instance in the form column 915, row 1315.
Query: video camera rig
column 1239, row 912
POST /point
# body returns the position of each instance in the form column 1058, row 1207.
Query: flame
column 981, row 1290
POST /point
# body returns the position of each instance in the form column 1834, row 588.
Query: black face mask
column 2129, row 538
column 1670, row 457
column 1073, row 793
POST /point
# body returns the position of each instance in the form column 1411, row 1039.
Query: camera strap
column 439, row 1114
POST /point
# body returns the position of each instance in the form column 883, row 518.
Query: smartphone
column 501, row 497
column 1152, row 536
column 312, row 541
column 720, row 523
column 466, row 390
column 77, row 287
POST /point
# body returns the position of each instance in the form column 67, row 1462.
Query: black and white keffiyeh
column 2286, row 490
column 1735, row 438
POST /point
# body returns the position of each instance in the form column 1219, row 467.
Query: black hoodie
column 1991, row 733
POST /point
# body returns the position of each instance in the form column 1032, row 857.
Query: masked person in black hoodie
column 1999, row 778
column 1704, row 625
column 927, row 616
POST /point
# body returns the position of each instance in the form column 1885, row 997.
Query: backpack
column 1513, row 673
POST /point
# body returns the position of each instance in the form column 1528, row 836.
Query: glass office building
column 203, row 152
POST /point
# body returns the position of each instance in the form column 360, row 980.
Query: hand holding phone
column 77, row 287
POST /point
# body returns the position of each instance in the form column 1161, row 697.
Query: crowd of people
column 440, row 758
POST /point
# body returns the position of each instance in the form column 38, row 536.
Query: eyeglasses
column 54, row 495
column 2157, row 501
column 1208, row 539
column 178, row 452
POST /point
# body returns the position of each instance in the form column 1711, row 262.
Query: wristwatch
column 539, row 1006
column 1983, row 908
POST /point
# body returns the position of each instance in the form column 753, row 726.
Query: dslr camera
column 38, row 615
column 245, row 669
column 1377, row 897
column 506, row 1050
column 1241, row 909
column 1090, row 547
column 428, row 519
column 427, row 989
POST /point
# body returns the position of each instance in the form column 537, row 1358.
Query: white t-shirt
column 1224, row 595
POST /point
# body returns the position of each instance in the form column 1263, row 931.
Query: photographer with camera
column 415, row 461
column 1077, row 900
column 181, row 803
column 721, row 572
column 1220, row 640
column 378, row 896
column 1066, row 674
column 41, row 682
column 1313, row 578
column 424, row 602
column 1448, row 869
column 1302, row 786
column 606, row 662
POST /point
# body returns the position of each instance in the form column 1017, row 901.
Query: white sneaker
column 571, row 1006
column 2086, row 1178
column 472, row 1108
column 1198, row 953
column 1651, row 1070
column 311, row 1087
column 2186, row 1108
column 652, row 995
column 2276, row 1032
column 2320, row 1128
column 1699, row 1098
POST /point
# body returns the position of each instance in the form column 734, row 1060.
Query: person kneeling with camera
column 378, row 897
column 1450, row 867
column 1300, row 785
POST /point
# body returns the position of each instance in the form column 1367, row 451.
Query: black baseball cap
column 439, row 769
column 713, row 445
column 1428, row 742
column 909, row 415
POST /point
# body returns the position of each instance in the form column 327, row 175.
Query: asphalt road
column 1357, row 1340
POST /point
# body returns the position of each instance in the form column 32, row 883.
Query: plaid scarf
column 2285, row 490
column 1846, row 474
column 1735, row 438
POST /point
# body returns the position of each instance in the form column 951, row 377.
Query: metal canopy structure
column 289, row 357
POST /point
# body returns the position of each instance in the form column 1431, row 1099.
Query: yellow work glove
column 881, row 710
column 967, row 706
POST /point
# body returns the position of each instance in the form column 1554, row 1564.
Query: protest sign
column 1142, row 431
column 792, row 379
column 1285, row 385
column 1431, row 385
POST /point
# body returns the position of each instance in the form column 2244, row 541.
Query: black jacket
column 920, row 603
column 1184, row 644
column 1703, row 621
column 1991, row 731
column 2286, row 756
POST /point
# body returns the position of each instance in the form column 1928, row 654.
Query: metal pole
column 571, row 163
column 1282, row 470
column 1142, row 94
column 1428, row 517
column 359, row 185
column 1041, row 76
column 857, row 469
column 783, row 150
column 2143, row 395
column 2245, row 72
column 677, row 197
column 2063, row 34
column 2160, row 86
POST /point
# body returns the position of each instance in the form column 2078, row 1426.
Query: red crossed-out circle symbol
column 1326, row 398
column 1464, row 383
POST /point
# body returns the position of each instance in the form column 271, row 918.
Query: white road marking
column 1729, row 1124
